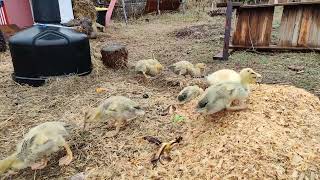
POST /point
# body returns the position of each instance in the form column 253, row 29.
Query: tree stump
column 115, row 56
column 3, row 45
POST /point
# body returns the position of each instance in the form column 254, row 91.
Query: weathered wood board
column 300, row 26
column 253, row 26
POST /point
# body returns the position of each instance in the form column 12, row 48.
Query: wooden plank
column 236, row 39
column 314, row 35
column 234, row 4
column 241, row 28
column 275, row 48
column 253, row 27
column 279, row 4
column 283, row 38
column 297, row 26
column 291, row 25
column 318, row 26
column 265, row 27
column 305, row 26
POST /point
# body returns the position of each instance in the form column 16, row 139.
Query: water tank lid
column 46, row 33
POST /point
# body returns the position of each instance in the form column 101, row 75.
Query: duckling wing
column 24, row 148
column 188, row 93
column 34, row 149
column 140, row 67
column 223, row 75
column 152, row 70
column 213, row 99
column 194, row 72
column 213, row 103
column 172, row 67
column 179, row 67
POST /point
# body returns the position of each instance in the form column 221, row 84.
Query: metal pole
column 227, row 33
column 124, row 11
column 158, row 6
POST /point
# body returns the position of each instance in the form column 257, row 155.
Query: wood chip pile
column 278, row 137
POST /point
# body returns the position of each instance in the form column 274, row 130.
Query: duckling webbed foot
column 236, row 108
column 145, row 78
column 66, row 160
column 40, row 165
column 182, row 73
column 114, row 133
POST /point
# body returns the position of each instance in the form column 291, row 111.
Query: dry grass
column 277, row 137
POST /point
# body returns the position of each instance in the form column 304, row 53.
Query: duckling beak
column 259, row 78
column 91, row 117
column 84, row 125
column 140, row 112
column 200, row 110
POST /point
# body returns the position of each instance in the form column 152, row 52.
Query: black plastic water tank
column 46, row 11
column 43, row 51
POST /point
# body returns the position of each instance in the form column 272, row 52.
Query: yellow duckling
column 118, row 108
column 221, row 96
column 246, row 76
column 39, row 143
column 189, row 93
column 185, row 68
column 150, row 67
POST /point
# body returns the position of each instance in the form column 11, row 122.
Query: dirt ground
column 225, row 146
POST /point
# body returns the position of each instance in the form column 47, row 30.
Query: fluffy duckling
column 189, row 93
column 185, row 68
column 246, row 76
column 118, row 108
column 221, row 96
column 151, row 67
column 40, row 142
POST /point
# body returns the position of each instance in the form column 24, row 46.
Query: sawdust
column 277, row 137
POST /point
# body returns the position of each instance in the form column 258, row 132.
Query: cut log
column 3, row 44
column 115, row 56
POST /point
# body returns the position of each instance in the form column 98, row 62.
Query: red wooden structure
column 19, row 13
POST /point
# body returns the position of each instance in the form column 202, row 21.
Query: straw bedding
column 84, row 8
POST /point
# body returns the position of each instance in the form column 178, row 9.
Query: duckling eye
column 202, row 104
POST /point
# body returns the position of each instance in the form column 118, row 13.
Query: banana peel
column 164, row 149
